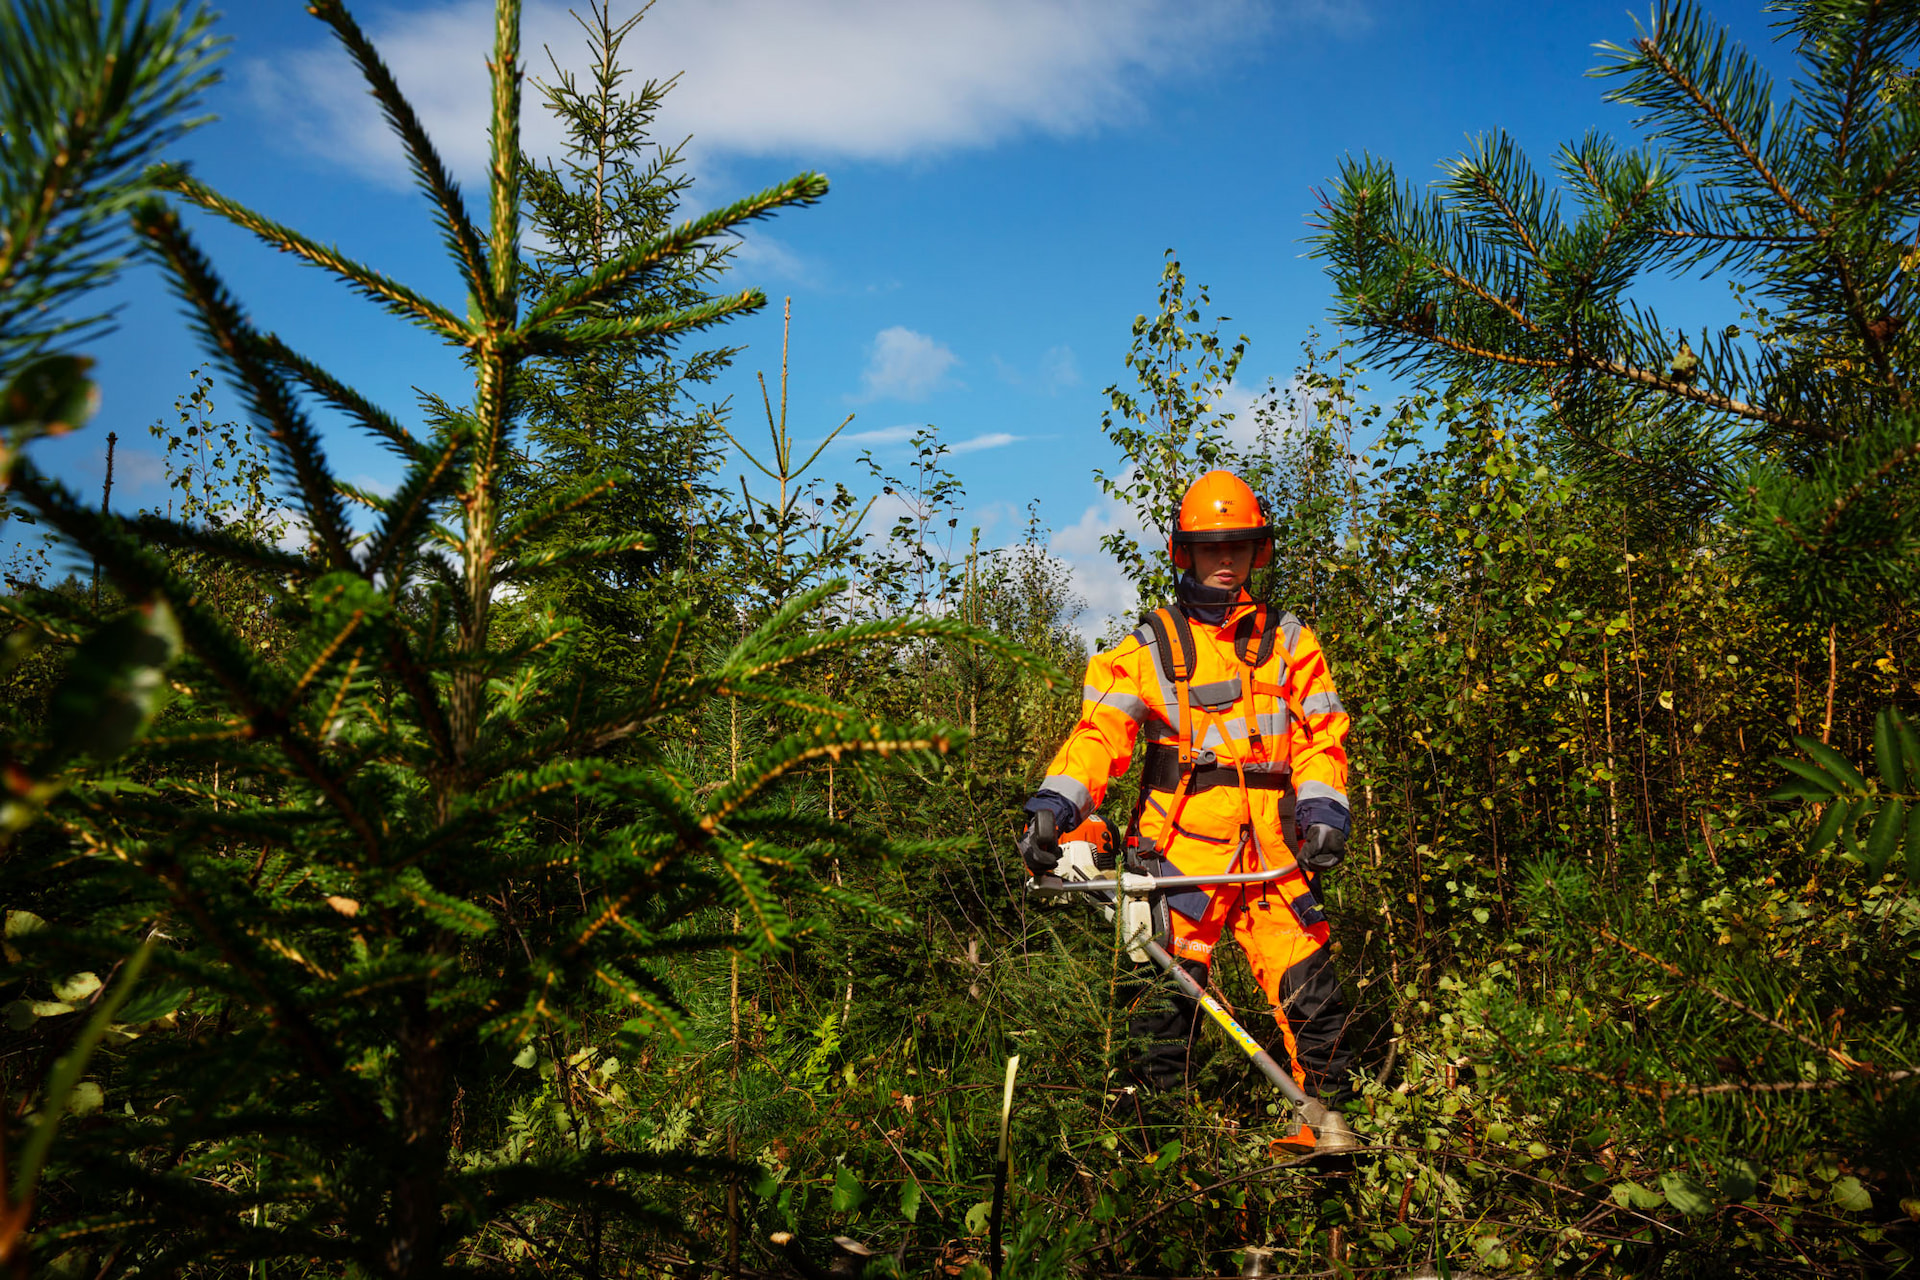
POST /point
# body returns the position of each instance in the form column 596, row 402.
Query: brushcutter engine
column 1090, row 853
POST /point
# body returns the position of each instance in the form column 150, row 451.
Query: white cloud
column 295, row 532
column 138, row 470
column 880, row 436
column 1058, row 370
column 814, row 79
column 905, row 365
column 767, row 256
column 991, row 440
column 384, row 486
column 1095, row 575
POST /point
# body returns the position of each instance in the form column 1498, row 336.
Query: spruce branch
column 617, row 273
column 227, row 545
column 220, row 319
column 822, row 743
column 342, row 397
column 87, row 101
column 450, row 210
column 320, row 661
column 254, row 688
column 563, row 501
column 552, row 341
column 429, row 481
column 578, row 551
column 391, row 294
column 502, row 302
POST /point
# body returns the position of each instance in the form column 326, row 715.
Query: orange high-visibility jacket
column 1279, row 719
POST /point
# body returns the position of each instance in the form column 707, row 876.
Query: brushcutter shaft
column 1273, row 1071
column 1103, row 890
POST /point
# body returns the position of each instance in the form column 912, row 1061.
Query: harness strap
column 1250, row 661
column 1176, row 659
column 1173, row 638
column 1253, row 624
column 1160, row 771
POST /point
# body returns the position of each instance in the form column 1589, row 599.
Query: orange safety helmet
column 1219, row 507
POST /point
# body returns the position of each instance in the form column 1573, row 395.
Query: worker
column 1245, row 747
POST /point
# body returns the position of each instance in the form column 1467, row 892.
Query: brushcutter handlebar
column 1134, row 885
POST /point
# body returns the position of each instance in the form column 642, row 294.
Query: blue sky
column 1007, row 175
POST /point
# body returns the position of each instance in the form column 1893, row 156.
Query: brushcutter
column 1135, row 897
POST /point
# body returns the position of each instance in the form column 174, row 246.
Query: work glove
column 1039, row 844
column 1323, row 849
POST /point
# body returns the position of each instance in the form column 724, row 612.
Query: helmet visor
column 1186, row 537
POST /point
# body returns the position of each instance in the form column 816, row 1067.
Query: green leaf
column 1913, row 847
column 1686, row 1195
column 1812, row 774
column 1851, row 1196
column 22, row 923
column 526, row 1057
column 979, row 1217
column 1800, row 789
column 1631, row 1195
column 1885, row 837
column 848, row 1191
column 1738, row 1181
column 77, row 987
column 62, row 1082
column 910, row 1200
column 1857, row 812
column 1886, row 750
column 151, row 1003
column 1828, row 827
column 1909, row 742
column 114, row 685
column 1835, row 764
